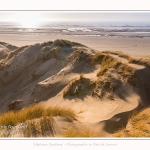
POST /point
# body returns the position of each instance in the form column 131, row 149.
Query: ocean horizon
column 80, row 28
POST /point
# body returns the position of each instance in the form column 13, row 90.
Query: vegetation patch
column 77, row 133
column 47, row 53
column 47, row 43
column 65, row 43
column 76, row 55
column 4, row 53
column 43, row 127
column 75, row 87
column 139, row 125
column 33, row 116
column 37, row 111
column 119, row 53
column 104, row 87
column 96, row 58
column 126, row 72
column 62, row 112
column 139, row 61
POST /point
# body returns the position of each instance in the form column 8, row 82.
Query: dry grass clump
column 43, row 127
column 75, row 86
column 33, row 129
column 141, row 61
column 139, row 125
column 33, row 112
column 47, row 43
column 77, row 133
column 77, row 55
column 96, row 58
column 119, row 53
column 104, row 87
column 65, row 43
column 125, row 56
column 74, row 56
column 13, row 118
column 40, row 121
column 47, row 126
column 106, row 63
column 62, row 112
column 127, row 72
column 47, row 53
column 4, row 53
column 9, row 119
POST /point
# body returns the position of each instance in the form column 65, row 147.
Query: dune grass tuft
column 33, row 112
column 9, row 119
column 65, row 43
column 42, row 127
column 140, row 61
column 139, row 125
column 127, row 72
column 75, row 86
column 96, row 58
column 40, row 120
column 33, row 129
column 119, row 53
column 47, row 127
column 12, row 118
column 62, row 112
column 76, row 55
column 106, row 63
column 77, row 133
column 104, row 87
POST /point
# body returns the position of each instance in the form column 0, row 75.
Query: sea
column 133, row 29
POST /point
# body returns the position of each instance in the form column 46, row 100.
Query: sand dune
column 102, row 89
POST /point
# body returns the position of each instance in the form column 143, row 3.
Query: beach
column 136, row 47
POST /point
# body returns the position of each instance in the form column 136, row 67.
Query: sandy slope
column 5, row 49
column 41, row 72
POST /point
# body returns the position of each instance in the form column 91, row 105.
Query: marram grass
column 33, row 112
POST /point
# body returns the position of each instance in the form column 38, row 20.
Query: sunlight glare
column 29, row 20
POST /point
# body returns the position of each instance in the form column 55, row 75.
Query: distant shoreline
column 130, row 37
column 136, row 47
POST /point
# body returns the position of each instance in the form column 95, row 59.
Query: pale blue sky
column 41, row 16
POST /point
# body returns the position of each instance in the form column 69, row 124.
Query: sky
column 77, row 15
column 29, row 18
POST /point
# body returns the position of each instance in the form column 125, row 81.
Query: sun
column 28, row 20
